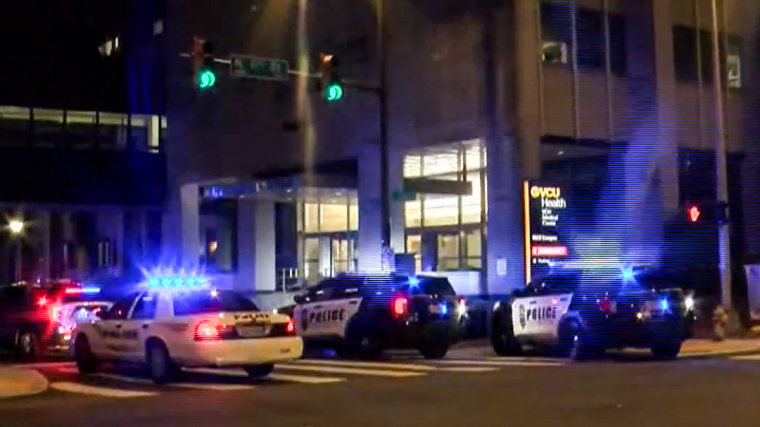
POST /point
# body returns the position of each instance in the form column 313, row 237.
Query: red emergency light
column 549, row 251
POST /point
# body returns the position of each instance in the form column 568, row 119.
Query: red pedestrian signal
column 694, row 213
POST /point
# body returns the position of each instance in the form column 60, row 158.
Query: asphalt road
column 469, row 389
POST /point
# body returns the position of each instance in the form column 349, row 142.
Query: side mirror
column 299, row 299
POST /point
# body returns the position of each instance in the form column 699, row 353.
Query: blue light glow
column 176, row 281
column 90, row 290
column 628, row 274
column 664, row 305
column 444, row 309
column 414, row 282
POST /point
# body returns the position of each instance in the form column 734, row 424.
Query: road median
column 16, row 382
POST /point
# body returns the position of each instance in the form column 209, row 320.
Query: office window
column 733, row 62
column 556, row 32
column 618, row 53
column 591, row 41
column 685, row 53
column 218, row 228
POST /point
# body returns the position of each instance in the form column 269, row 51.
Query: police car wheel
column 667, row 346
column 361, row 342
column 160, row 367
column 435, row 349
column 259, row 371
column 85, row 360
column 27, row 346
column 576, row 342
column 503, row 338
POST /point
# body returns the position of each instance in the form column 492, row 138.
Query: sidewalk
column 15, row 382
column 707, row 348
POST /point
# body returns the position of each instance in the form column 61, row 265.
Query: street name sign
column 255, row 67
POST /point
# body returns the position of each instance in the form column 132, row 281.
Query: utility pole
column 724, row 239
column 382, row 91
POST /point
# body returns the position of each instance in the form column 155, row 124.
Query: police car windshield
column 207, row 301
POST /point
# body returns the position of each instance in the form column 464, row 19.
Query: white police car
column 583, row 313
column 182, row 321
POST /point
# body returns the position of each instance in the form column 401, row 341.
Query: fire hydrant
column 720, row 320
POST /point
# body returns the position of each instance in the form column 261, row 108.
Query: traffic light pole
column 724, row 240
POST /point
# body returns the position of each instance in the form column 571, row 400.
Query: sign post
column 544, row 206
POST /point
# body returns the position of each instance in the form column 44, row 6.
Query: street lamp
column 16, row 227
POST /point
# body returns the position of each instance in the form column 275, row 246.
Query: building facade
column 609, row 100
column 82, row 126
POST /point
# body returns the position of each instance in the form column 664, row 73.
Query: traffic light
column 693, row 213
column 708, row 213
column 332, row 87
column 203, row 60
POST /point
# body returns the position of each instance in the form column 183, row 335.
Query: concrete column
column 396, row 178
column 370, row 218
column 528, row 88
column 505, row 250
column 43, row 223
column 190, row 221
column 256, row 246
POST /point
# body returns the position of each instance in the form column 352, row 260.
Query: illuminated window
column 333, row 218
column 412, row 166
column 353, row 212
column 448, row 252
column 413, row 213
column 441, row 210
column 471, row 203
column 311, row 217
column 440, row 163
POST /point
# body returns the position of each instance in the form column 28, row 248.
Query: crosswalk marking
column 217, row 387
column 382, row 365
column 98, row 391
column 493, row 362
column 522, row 359
column 304, row 379
column 218, row 371
column 468, row 369
column 747, row 357
column 349, row 370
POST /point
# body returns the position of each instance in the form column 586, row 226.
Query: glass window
column 413, row 213
column 471, row 203
column 412, row 166
column 441, row 210
column 210, row 301
column 556, row 32
column 146, row 306
column 618, row 53
column 591, row 40
column 121, row 308
column 311, row 216
column 353, row 216
column 448, row 252
column 440, row 163
column 333, row 218
column 218, row 227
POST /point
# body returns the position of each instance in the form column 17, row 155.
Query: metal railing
column 290, row 279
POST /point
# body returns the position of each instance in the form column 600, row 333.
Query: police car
column 366, row 314
column 183, row 321
column 583, row 313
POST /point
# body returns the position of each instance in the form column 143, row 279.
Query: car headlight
column 688, row 302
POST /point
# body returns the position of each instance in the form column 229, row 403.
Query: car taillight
column 400, row 305
column 42, row 301
column 211, row 330
column 461, row 306
column 55, row 314
column 291, row 327
column 606, row 305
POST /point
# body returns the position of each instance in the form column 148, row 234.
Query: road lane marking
column 746, row 357
column 98, row 391
column 304, row 379
column 146, row 381
column 348, row 370
column 360, row 364
column 522, row 359
column 493, row 362
column 468, row 369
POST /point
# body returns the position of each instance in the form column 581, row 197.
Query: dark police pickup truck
column 367, row 314
column 583, row 313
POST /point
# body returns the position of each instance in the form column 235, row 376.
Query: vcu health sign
column 544, row 207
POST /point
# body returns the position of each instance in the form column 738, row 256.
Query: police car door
column 537, row 313
column 327, row 310
column 111, row 327
column 140, row 326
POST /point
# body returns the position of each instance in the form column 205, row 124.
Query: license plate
column 251, row 331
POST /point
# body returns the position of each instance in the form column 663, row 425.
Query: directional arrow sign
column 254, row 67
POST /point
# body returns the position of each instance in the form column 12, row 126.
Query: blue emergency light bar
column 177, row 282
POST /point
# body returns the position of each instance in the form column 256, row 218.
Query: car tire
column 361, row 342
column 85, row 360
column 576, row 342
column 161, row 368
column 28, row 346
column 436, row 343
column 259, row 371
column 503, row 338
column 667, row 346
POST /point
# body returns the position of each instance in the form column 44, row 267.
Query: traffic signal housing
column 332, row 87
column 204, row 76
column 707, row 213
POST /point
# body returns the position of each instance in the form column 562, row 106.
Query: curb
column 17, row 382
column 724, row 353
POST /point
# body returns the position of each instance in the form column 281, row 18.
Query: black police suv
column 583, row 313
column 367, row 314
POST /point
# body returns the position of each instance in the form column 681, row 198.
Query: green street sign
column 254, row 67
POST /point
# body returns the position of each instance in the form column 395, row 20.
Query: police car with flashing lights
column 366, row 314
column 181, row 321
column 583, row 313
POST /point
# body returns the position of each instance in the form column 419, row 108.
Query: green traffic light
column 334, row 92
column 206, row 79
